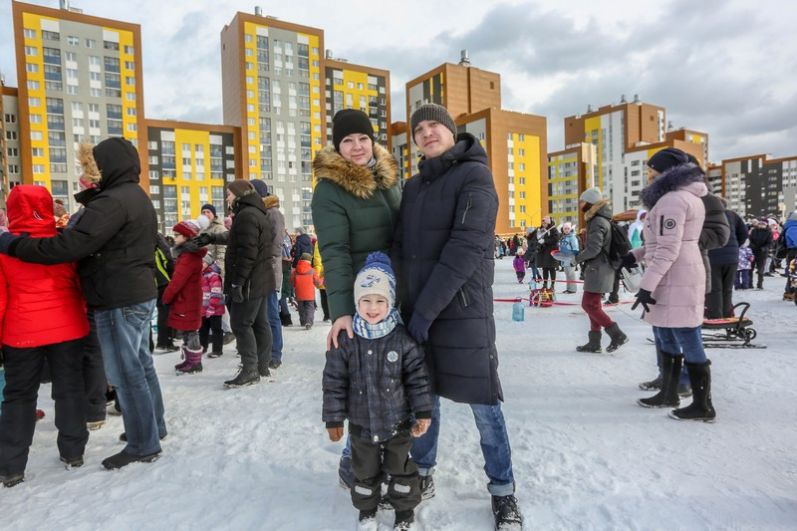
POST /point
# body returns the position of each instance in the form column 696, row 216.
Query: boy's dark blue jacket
column 376, row 384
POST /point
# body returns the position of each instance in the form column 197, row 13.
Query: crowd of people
column 404, row 277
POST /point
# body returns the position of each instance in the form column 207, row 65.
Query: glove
column 6, row 239
column 419, row 327
column 335, row 434
column 202, row 240
column 628, row 261
column 237, row 293
column 644, row 298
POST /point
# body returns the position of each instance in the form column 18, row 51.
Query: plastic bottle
column 518, row 310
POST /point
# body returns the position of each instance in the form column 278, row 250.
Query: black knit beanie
column 350, row 121
column 434, row 112
column 667, row 158
column 211, row 208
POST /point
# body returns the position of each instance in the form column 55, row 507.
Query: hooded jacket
column 355, row 209
column 598, row 270
column 305, row 281
column 217, row 250
column 115, row 238
column 248, row 261
column 790, row 231
column 184, row 293
column 444, row 249
column 39, row 304
column 674, row 272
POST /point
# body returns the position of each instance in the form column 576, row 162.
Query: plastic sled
column 730, row 332
column 541, row 297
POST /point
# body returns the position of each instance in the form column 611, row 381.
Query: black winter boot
column 506, row 513
column 593, row 345
column 618, row 337
column 701, row 407
column 244, row 377
column 668, row 396
column 652, row 385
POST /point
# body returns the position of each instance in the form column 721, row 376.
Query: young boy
column 184, row 294
column 212, row 307
column 378, row 381
column 305, row 280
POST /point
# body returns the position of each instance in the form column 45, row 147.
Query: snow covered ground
column 585, row 455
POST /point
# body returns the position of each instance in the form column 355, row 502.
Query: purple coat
column 519, row 264
column 674, row 274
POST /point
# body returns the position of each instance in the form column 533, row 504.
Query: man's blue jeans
column 276, row 326
column 494, row 442
column 124, row 339
column 686, row 341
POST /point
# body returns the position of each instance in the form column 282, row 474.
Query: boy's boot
column 193, row 362
column 594, row 343
column 367, row 521
column 507, row 513
column 404, row 520
column 701, row 407
column 618, row 337
column 670, row 372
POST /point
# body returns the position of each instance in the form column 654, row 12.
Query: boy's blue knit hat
column 376, row 278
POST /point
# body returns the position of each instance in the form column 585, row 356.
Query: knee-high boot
column 668, row 395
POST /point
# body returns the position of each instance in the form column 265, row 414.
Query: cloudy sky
column 726, row 67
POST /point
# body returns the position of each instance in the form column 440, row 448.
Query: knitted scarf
column 375, row 331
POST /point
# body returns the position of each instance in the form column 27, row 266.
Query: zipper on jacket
column 467, row 207
column 661, row 225
column 463, row 297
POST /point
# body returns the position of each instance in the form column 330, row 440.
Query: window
column 35, row 118
column 31, row 51
column 130, row 50
column 91, row 43
column 36, row 135
column 37, row 152
column 31, row 68
column 108, row 45
column 34, row 102
column 71, row 40
column 71, row 56
column 33, row 85
column 29, row 33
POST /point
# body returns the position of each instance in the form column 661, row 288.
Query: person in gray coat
column 598, row 271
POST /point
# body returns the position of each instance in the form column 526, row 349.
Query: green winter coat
column 355, row 209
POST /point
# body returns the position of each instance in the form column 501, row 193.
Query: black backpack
column 619, row 245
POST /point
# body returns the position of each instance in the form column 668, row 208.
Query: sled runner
column 730, row 332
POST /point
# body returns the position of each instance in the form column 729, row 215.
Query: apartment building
column 80, row 79
column 10, row 166
column 570, row 172
column 189, row 166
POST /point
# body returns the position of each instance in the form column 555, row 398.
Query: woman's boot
column 668, row 396
column 701, row 407
column 593, row 345
column 618, row 337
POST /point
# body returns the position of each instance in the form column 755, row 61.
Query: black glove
column 419, row 328
column 628, row 261
column 237, row 293
column 644, row 298
column 202, row 240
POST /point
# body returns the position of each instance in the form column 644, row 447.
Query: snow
column 585, row 455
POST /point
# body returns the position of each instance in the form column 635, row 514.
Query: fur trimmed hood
column 596, row 208
column 91, row 173
column 271, row 201
column 673, row 179
column 360, row 181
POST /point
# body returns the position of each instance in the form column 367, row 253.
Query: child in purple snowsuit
column 744, row 277
column 520, row 267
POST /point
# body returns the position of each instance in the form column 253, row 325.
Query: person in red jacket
column 42, row 317
column 184, row 294
column 305, row 280
column 212, row 307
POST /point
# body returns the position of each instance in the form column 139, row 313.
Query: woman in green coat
column 355, row 208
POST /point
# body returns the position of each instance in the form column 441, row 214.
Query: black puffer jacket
column 303, row 245
column 376, row 384
column 729, row 254
column 549, row 242
column 248, row 261
column 444, row 246
column 115, row 238
column 760, row 240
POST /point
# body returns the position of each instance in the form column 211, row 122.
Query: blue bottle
column 518, row 311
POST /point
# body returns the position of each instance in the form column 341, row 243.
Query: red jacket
column 184, row 292
column 212, row 292
column 305, row 280
column 39, row 304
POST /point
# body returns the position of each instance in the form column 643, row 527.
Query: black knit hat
column 350, row 121
column 667, row 158
column 209, row 207
column 434, row 112
column 260, row 187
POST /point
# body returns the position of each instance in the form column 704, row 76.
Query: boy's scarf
column 375, row 331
